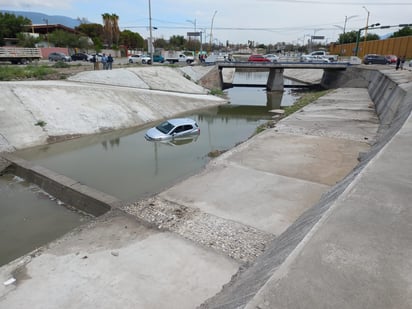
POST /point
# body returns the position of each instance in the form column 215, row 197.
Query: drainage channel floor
column 29, row 218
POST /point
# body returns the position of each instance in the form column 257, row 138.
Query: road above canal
column 306, row 214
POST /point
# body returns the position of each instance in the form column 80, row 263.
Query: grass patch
column 61, row 64
column 19, row 72
column 218, row 92
column 41, row 123
column 304, row 100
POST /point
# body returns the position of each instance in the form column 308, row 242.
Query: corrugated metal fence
column 395, row 46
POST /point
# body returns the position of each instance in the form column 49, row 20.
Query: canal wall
column 298, row 269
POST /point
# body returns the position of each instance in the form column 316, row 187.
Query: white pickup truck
column 318, row 54
column 173, row 57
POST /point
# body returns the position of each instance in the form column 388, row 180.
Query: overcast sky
column 261, row 21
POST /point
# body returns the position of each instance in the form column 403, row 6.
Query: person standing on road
column 109, row 62
column 402, row 62
column 398, row 62
column 104, row 61
column 95, row 62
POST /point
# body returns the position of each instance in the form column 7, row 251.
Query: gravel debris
column 238, row 241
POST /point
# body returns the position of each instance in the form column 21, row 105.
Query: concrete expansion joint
column 240, row 242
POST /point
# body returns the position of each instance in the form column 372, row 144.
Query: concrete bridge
column 275, row 78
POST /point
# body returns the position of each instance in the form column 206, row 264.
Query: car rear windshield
column 165, row 127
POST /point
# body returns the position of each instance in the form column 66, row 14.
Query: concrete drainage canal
column 40, row 191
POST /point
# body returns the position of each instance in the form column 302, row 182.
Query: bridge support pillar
column 275, row 80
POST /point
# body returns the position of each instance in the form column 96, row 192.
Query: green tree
column 61, row 38
column 111, row 31
column 370, row 37
column 131, row 40
column 115, row 29
column 177, row 42
column 11, row 25
column 161, row 43
column 27, row 40
column 107, row 29
column 93, row 31
column 348, row 37
column 405, row 31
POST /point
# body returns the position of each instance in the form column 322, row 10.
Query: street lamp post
column 211, row 31
column 150, row 45
column 346, row 19
column 47, row 31
column 367, row 22
column 193, row 22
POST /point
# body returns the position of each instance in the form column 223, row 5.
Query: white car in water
column 177, row 128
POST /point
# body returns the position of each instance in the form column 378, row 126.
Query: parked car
column 375, row 59
column 158, row 58
column 391, row 58
column 258, row 58
column 177, row 128
column 56, row 56
column 315, row 59
column 143, row 59
column 81, row 56
column 272, row 57
column 410, row 63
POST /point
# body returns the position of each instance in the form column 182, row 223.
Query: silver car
column 56, row 56
column 177, row 128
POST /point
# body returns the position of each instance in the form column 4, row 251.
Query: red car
column 258, row 58
column 391, row 58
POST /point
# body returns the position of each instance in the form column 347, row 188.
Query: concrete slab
column 304, row 157
column 265, row 201
column 336, row 118
column 116, row 262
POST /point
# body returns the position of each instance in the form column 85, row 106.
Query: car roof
column 180, row 121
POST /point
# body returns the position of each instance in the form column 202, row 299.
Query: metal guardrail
column 282, row 65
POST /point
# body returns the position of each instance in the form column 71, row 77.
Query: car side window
column 179, row 129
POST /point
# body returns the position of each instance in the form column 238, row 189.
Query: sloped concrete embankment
column 352, row 248
column 38, row 112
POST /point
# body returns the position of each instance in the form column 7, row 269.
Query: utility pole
column 150, row 45
column 211, row 32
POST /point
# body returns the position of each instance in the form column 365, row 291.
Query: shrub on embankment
column 8, row 73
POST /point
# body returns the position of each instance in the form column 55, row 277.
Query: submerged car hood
column 155, row 134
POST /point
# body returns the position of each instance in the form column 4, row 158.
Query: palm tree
column 107, row 29
column 115, row 28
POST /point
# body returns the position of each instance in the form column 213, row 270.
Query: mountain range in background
column 40, row 18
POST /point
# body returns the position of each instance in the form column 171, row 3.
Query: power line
column 339, row 2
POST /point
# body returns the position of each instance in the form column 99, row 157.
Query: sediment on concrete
column 393, row 103
column 67, row 190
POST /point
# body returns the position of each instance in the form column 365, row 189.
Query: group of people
column 400, row 61
column 106, row 61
